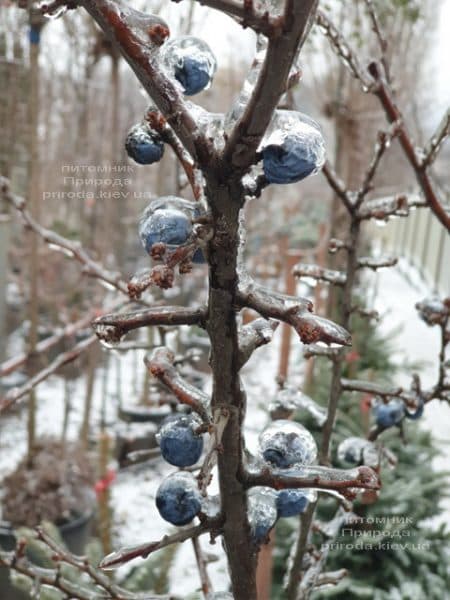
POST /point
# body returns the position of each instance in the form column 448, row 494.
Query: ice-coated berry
column 390, row 414
column 354, row 451
column 178, row 499
column 191, row 62
column 291, row 502
column 293, row 148
column 286, row 443
column 167, row 220
column 179, row 444
column 143, row 145
column 262, row 512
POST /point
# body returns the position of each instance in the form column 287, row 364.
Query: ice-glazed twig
column 244, row 139
column 399, row 205
column 14, row 395
column 138, row 37
column 105, row 588
column 254, row 335
column 313, row 576
column 160, row 365
column 220, row 421
column 124, row 555
column 194, row 176
column 343, row 49
column 294, row 311
column 382, row 41
column 72, row 249
column 113, row 327
column 384, row 140
column 436, row 141
column 319, row 274
column 318, row 477
column 337, row 185
column 385, row 96
column 246, row 14
column 370, row 262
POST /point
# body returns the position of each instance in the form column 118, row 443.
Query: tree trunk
column 225, row 201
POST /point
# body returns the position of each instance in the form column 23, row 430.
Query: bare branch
column 14, row 395
column 437, row 140
column 319, row 273
column 121, row 557
column 370, row 262
column 318, row 477
column 294, row 311
column 220, row 421
column 202, row 570
column 160, row 365
column 138, row 36
column 113, row 327
column 72, row 249
column 68, row 331
column 246, row 14
column 399, row 205
column 338, row 186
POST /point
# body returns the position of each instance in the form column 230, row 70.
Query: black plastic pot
column 75, row 533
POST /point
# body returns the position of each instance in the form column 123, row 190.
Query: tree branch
column 160, row 365
column 113, row 327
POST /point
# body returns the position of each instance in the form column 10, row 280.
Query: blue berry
column 293, row 148
column 390, row 414
column 193, row 74
column 262, row 512
column 192, row 63
column 179, row 444
column 178, row 499
column 288, row 162
column 286, row 443
column 143, row 145
column 291, row 502
column 167, row 220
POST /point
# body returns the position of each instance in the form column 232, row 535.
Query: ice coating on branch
column 262, row 512
column 178, row 498
column 292, row 148
column 288, row 400
column 286, row 443
column 144, row 145
column 167, row 220
column 209, row 124
column 355, row 451
column 292, row 502
column 191, row 62
column 390, row 414
column 211, row 506
column 434, row 311
column 239, row 105
column 178, row 441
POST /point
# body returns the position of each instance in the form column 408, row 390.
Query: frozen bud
column 292, row 148
column 191, row 62
column 178, row 498
column 286, row 443
column 262, row 512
